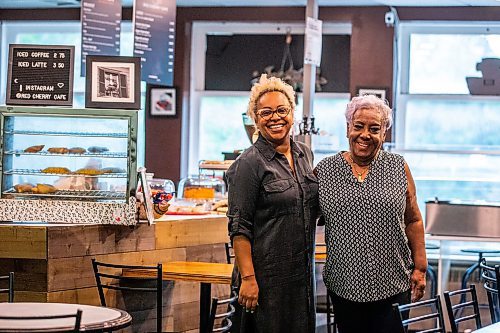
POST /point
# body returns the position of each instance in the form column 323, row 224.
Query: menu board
column 101, row 26
column 40, row 75
column 154, row 39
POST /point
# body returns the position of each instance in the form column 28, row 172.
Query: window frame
column 200, row 30
column 402, row 65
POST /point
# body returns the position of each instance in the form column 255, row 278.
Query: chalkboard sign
column 40, row 75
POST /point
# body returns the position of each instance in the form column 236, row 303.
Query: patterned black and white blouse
column 368, row 256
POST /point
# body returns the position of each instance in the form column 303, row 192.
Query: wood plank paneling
column 62, row 270
column 29, row 274
column 71, row 241
column 23, row 242
column 192, row 232
column 77, row 272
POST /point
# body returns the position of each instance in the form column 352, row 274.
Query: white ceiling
column 258, row 3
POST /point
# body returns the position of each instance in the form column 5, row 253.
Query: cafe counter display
column 68, row 165
column 52, row 263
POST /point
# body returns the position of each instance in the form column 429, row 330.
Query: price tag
column 40, row 75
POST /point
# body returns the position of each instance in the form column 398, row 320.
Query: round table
column 94, row 318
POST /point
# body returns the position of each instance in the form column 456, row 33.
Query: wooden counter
column 52, row 262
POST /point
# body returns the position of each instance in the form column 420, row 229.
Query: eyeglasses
column 282, row 112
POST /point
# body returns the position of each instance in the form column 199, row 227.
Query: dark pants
column 368, row 317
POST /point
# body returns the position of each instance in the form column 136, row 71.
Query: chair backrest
column 433, row 314
column 456, row 301
column 75, row 329
column 220, row 322
column 111, row 276
column 491, row 278
column 229, row 253
column 10, row 286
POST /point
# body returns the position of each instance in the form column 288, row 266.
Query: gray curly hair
column 265, row 85
column 369, row 102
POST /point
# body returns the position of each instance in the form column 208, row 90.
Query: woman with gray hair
column 373, row 227
column 273, row 207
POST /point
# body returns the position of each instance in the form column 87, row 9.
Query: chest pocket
column 280, row 196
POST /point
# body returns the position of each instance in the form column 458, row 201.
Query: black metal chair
column 454, row 308
column 10, row 286
column 75, row 329
column 113, row 280
column 229, row 253
column 324, row 302
column 481, row 253
column 431, row 272
column 491, row 278
column 221, row 321
column 433, row 315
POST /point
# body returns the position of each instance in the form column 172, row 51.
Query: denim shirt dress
column 277, row 212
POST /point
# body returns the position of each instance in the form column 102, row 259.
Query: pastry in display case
column 61, row 157
column 196, row 195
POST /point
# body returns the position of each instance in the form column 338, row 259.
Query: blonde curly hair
column 265, row 85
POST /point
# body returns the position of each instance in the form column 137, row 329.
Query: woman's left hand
column 417, row 285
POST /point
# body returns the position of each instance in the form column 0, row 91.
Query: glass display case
column 76, row 155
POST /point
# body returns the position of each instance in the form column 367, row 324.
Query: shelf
column 83, row 194
column 87, row 154
column 220, row 165
column 83, row 134
column 37, row 172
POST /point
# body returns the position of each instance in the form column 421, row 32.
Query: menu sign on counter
column 101, row 26
column 40, row 75
column 154, row 38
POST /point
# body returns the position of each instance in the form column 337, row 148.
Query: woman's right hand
column 249, row 293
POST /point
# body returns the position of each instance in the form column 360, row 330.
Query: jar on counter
column 202, row 188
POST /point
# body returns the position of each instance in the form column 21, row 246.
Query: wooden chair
column 113, row 277
column 491, row 278
column 221, row 322
column 75, row 329
column 434, row 314
column 10, row 286
column 454, row 309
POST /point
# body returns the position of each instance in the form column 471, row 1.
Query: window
column 449, row 137
column 64, row 33
column 214, row 123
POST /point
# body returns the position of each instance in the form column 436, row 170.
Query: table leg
column 205, row 294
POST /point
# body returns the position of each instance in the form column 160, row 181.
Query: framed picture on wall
column 161, row 100
column 113, row 82
column 381, row 93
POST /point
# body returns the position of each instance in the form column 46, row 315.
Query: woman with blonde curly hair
column 273, row 205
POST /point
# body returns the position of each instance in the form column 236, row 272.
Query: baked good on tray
column 34, row 149
column 77, row 150
column 58, row 150
column 88, row 171
column 113, row 170
column 59, row 170
column 97, row 149
column 44, row 189
column 23, row 187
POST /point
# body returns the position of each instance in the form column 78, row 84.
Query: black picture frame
column 113, row 82
column 161, row 100
column 382, row 93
